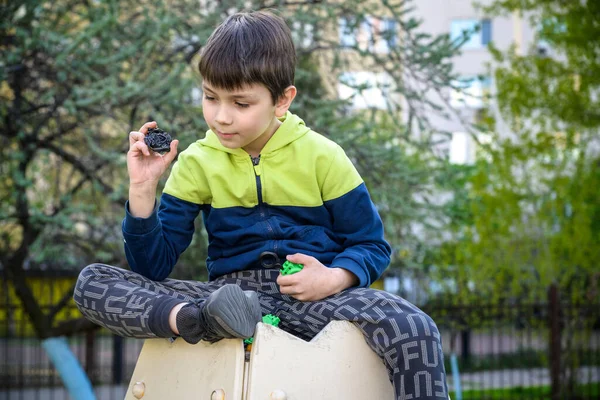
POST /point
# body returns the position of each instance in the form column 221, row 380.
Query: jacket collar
column 292, row 128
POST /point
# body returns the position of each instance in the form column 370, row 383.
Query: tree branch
column 73, row 160
column 73, row 326
column 60, row 305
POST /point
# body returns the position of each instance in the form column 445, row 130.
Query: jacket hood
column 291, row 129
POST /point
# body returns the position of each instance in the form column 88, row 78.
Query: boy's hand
column 144, row 166
column 315, row 281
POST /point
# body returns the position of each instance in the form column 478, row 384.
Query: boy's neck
column 256, row 147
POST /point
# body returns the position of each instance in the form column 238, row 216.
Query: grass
column 589, row 391
column 523, row 359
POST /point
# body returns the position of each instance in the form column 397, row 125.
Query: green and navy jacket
column 302, row 195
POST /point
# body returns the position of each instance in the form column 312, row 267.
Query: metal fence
column 547, row 350
column 507, row 351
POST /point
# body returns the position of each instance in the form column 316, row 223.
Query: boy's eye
column 242, row 105
column 208, row 98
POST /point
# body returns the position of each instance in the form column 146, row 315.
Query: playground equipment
column 337, row 365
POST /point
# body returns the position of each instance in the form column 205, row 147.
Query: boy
column 269, row 189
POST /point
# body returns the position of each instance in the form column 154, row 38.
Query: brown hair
column 248, row 48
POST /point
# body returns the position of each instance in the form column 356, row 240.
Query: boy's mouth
column 225, row 135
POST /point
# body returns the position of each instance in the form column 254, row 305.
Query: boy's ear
column 284, row 102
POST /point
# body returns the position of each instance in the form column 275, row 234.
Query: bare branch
column 73, row 160
column 61, row 304
column 73, row 326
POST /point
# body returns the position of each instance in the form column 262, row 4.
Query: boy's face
column 245, row 118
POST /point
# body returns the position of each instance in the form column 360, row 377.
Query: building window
column 348, row 27
column 302, row 34
column 478, row 32
column 464, row 148
column 196, row 96
column 548, row 27
column 542, row 48
column 365, row 89
column 471, row 92
column 369, row 33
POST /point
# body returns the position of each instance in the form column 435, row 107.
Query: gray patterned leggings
column 406, row 339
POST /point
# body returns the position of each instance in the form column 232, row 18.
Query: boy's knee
column 420, row 343
column 86, row 272
column 91, row 272
column 96, row 270
column 418, row 326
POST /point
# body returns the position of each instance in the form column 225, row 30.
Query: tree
column 76, row 77
column 532, row 216
column 535, row 220
column 72, row 89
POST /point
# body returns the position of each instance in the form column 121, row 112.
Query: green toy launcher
column 289, row 268
column 269, row 319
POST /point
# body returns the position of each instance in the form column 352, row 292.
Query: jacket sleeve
column 356, row 222
column 153, row 245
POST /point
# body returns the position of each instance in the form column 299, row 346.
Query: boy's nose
column 222, row 117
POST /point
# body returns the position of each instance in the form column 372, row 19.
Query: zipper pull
column 256, row 165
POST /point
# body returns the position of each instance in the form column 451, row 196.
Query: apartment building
column 473, row 66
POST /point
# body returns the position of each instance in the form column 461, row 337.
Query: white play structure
column 336, row 365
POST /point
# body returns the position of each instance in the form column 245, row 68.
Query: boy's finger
column 135, row 136
column 289, row 290
column 286, row 280
column 170, row 156
column 140, row 147
column 146, row 126
column 300, row 258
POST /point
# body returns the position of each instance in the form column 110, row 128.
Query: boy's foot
column 229, row 312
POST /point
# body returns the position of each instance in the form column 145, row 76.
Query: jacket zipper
column 255, row 162
column 263, row 214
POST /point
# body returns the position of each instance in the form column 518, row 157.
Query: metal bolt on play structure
column 138, row 390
